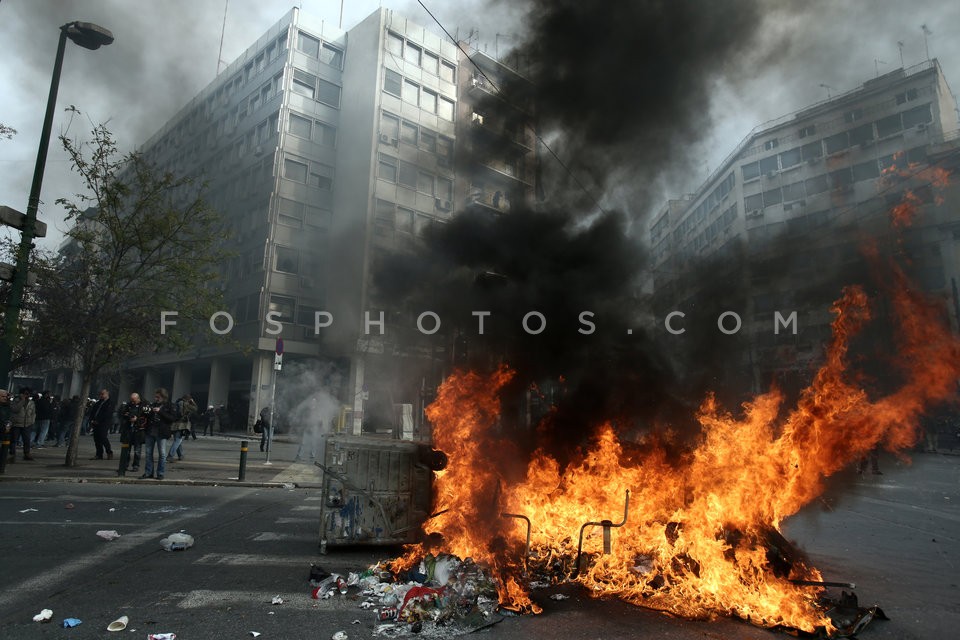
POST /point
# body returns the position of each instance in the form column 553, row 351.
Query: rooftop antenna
column 876, row 66
column 900, row 46
column 223, row 30
column 340, row 26
column 926, row 45
column 828, row 88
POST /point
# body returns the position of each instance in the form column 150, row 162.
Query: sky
column 166, row 52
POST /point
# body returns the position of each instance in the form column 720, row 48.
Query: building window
column 769, row 165
column 428, row 140
column 408, row 175
column 308, row 44
column 853, row 115
column 383, row 218
column 412, row 54
column 750, row 171
column 751, row 203
column 772, row 197
column 332, row 56
column 811, row 150
column 793, row 191
column 770, row 144
column 445, row 189
column 293, row 170
column 837, row 142
column 287, row 260
column 888, row 126
column 282, row 307
column 387, row 168
column 389, row 126
column 324, row 134
column 328, row 93
column 815, row 185
column 448, row 71
column 392, row 82
column 428, row 101
column 431, row 63
column 866, row 171
column 445, row 149
column 445, row 109
column 861, row 134
column 411, row 92
column 300, row 126
column 910, row 94
column 425, row 183
column 809, row 130
column 317, row 217
column 917, row 115
column 408, row 133
column 304, row 83
column 394, row 44
column 290, row 212
column 321, row 177
column 790, row 157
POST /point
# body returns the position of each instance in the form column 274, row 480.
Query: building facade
column 791, row 204
column 325, row 149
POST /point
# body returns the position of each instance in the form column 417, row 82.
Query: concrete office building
column 324, row 150
column 814, row 181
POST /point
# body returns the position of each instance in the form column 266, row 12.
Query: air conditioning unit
column 258, row 150
column 443, row 205
column 771, row 174
column 394, row 141
column 756, row 213
column 384, row 138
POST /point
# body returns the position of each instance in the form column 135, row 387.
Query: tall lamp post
column 88, row 36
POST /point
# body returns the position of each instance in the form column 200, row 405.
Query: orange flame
column 701, row 532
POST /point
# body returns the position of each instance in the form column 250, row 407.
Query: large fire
column 700, row 535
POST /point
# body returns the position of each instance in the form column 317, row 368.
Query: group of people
column 36, row 418
column 151, row 427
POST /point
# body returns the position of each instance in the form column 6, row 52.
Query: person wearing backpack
column 185, row 410
column 23, row 413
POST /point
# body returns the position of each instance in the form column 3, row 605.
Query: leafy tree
column 143, row 241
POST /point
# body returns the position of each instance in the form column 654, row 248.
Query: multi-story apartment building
column 790, row 205
column 324, row 150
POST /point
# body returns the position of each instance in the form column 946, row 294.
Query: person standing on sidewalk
column 4, row 414
column 136, row 415
column 23, row 413
column 101, row 417
column 186, row 409
column 44, row 404
column 158, row 432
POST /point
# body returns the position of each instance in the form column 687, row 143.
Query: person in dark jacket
column 23, row 413
column 44, row 402
column 101, row 419
column 159, row 429
column 4, row 414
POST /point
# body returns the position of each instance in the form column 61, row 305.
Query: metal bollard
column 243, row 461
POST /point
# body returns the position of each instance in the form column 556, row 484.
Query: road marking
column 254, row 559
column 270, row 536
column 205, row 598
column 308, row 507
column 59, row 577
column 296, row 521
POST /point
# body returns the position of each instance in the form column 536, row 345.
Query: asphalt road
column 896, row 535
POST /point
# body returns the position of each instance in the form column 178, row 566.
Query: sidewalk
column 208, row 460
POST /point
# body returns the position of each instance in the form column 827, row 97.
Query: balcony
column 495, row 201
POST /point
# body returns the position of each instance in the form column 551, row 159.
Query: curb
column 182, row 482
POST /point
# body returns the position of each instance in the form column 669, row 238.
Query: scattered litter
column 355, row 622
column 27, row 510
column 367, row 605
column 276, row 600
column 254, row 633
column 162, row 636
column 177, row 542
column 317, row 574
column 112, row 509
column 69, row 505
column 270, row 613
column 71, row 622
column 289, row 485
column 339, row 635
column 559, row 596
column 108, row 535
column 119, row 624
column 43, row 616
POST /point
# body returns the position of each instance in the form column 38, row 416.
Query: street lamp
column 88, row 36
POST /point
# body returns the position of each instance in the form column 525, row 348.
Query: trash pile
column 443, row 596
